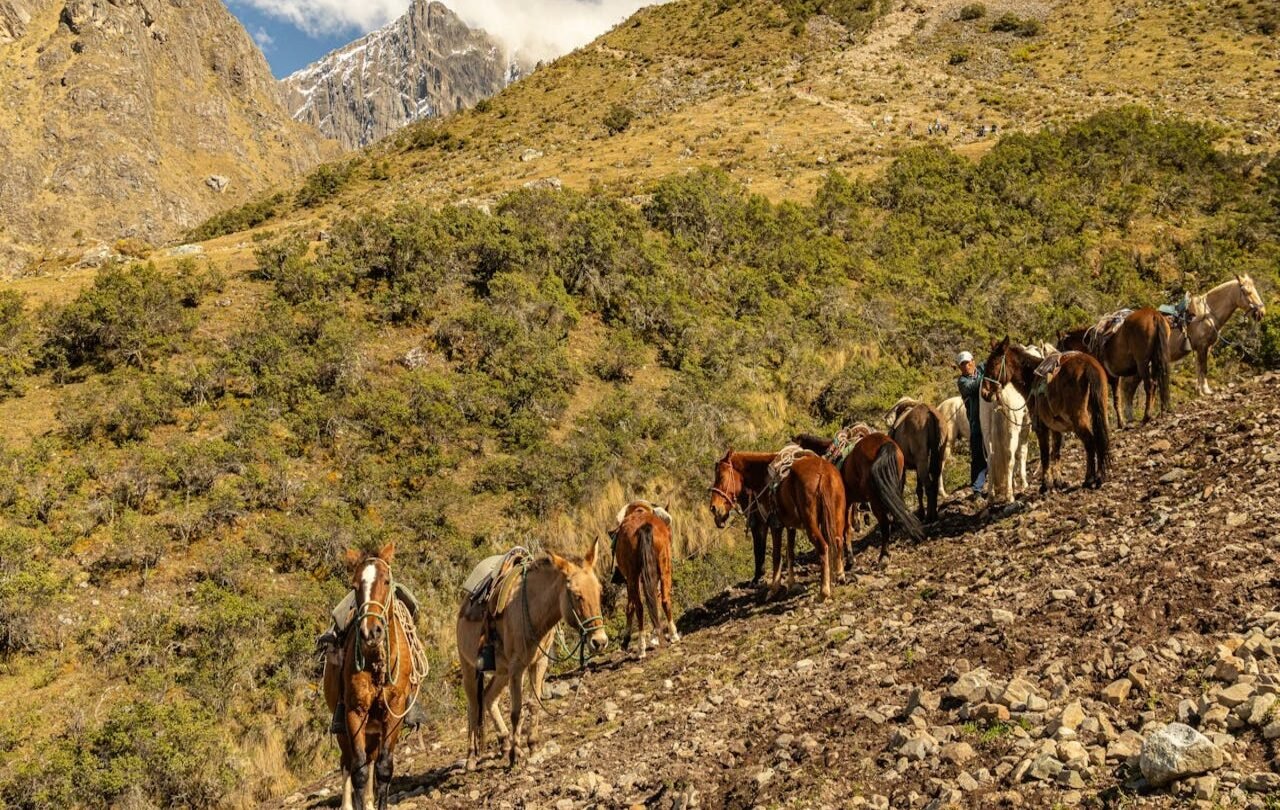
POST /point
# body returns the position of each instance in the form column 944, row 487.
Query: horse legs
column 475, row 724
column 633, row 607
column 664, row 565
column 344, row 746
column 537, row 678
column 1056, row 453
column 1202, row 371
column 1042, row 440
column 776, row 584
column 517, row 706
column 758, row 541
column 922, row 475
column 360, row 764
column 946, row 456
column 385, row 768
column 791, row 557
column 1129, row 391
column 1020, row 457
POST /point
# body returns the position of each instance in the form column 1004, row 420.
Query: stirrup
column 327, row 641
column 338, row 725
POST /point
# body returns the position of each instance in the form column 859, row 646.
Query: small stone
column 971, row 687
column 1045, row 768
column 1062, row 594
column 1117, row 691
column 966, row 782
column 990, row 713
column 1072, row 716
column 1236, row 694
column 1174, row 475
column 957, row 753
column 1000, row 616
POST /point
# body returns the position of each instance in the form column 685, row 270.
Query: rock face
column 1176, row 752
column 113, row 113
column 426, row 64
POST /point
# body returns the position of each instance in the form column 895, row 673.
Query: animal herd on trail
column 513, row 603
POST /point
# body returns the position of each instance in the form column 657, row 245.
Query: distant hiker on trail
column 970, row 384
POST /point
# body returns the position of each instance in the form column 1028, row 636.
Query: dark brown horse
column 375, row 681
column 643, row 557
column 1139, row 348
column 811, row 497
column 1074, row 400
column 918, row 429
column 873, row 473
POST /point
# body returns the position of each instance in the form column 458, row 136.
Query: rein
column 586, row 626
column 382, row 615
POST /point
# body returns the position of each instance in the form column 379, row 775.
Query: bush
column 133, row 247
column 973, row 11
column 958, row 57
column 618, row 118
column 17, row 343
column 324, row 183
column 242, row 218
column 123, row 407
column 130, row 316
column 1013, row 24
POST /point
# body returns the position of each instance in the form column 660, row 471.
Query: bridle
column 382, row 614
column 734, row 501
column 586, row 627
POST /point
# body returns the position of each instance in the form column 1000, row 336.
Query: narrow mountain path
column 1018, row 658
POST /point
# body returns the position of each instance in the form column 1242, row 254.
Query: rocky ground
column 1110, row 648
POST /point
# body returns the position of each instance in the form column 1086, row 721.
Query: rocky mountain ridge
column 426, row 64
column 1118, row 646
column 115, row 113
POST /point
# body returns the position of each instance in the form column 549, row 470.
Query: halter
column 382, row 614
column 586, row 626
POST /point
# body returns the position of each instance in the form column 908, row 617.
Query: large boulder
column 1176, row 752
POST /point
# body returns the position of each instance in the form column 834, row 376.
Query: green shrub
column 958, row 57
column 122, row 407
column 973, row 11
column 130, row 316
column 242, row 218
column 17, row 343
column 618, row 118
column 324, row 183
column 1012, row 23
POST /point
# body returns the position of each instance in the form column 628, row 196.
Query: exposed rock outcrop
column 426, row 64
column 113, row 113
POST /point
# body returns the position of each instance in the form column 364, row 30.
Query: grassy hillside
column 460, row 381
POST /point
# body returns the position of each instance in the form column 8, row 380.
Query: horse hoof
column 471, row 764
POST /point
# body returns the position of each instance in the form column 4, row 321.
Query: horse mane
column 741, row 457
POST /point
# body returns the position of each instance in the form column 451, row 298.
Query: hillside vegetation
column 459, row 382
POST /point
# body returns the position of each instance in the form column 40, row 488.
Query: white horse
column 955, row 429
column 1006, row 432
column 1209, row 314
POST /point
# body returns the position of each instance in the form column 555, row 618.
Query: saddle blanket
column 845, row 441
column 479, row 586
column 662, row 514
column 780, row 467
column 1107, row 326
column 1048, row 367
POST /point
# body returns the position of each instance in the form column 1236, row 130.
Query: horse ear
column 387, row 552
column 727, row 454
column 351, row 559
column 589, row 559
column 562, row 564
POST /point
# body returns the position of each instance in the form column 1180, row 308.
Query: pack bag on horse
column 1198, row 323
column 1065, row 392
column 507, row 626
column 374, row 685
column 642, row 557
column 874, row 472
column 332, row 642
column 917, row 428
column 810, row 497
column 1129, row 344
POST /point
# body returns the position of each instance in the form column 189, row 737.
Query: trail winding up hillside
column 1012, row 660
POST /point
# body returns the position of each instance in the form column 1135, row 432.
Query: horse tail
column 1098, row 415
column 830, row 518
column 1160, row 363
column 886, row 479
column 650, row 578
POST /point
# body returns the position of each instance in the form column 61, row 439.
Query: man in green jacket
column 970, row 385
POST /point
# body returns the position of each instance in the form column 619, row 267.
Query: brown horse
column 1074, row 399
column 531, row 601
column 643, row 557
column 873, row 473
column 375, row 680
column 1139, row 348
column 918, row 429
column 811, row 497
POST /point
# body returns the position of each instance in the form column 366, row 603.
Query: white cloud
column 264, row 40
column 538, row 29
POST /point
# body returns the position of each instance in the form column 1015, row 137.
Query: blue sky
column 287, row 47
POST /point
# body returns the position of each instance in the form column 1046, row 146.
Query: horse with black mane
column 873, row 472
column 1066, row 393
column 1139, row 348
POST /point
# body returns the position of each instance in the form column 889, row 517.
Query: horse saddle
column 1049, row 368
column 484, row 587
column 781, row 465
column 844, row 442
column 662, row 514
column 1098, row 334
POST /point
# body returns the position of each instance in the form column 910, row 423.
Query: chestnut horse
column 873, row 473
column 918, row 429
column 811, row 497
column 531, row 600
column 643, row 557
column 1074, row 399
column 374, row 682
column 1139, row 348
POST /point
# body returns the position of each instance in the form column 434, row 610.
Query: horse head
column 996, row 373
column 371, row 579
column 580, row 603
column 1249, row 298
column 726, row 486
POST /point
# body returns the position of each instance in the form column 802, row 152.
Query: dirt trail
column 1011, row 660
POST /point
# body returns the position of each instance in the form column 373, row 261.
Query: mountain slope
column 942, row 678
column 426, row 64
column 114, row 114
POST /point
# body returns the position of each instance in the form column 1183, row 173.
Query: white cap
column 964, row 357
